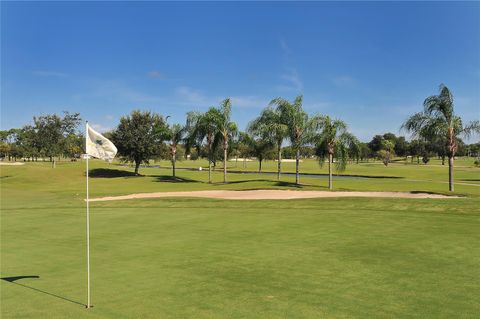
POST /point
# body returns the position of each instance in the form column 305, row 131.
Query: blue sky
column 370, row 64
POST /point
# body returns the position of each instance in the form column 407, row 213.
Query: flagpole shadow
column 13, row 280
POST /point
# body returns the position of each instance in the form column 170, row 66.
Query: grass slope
column 205, row 258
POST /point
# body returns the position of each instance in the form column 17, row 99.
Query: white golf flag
column 99, row 146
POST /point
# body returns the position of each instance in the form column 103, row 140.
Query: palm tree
column 438, row 119
column 258, row 147
column 299, row 126
column 207, row 126
column 227, row 130
column 175, row 134
column 193, row 139
column 269, row 127
column 334, row 142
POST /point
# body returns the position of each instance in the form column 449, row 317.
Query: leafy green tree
column 270, row 127
column 376, row 143
column 365, row 151
column 244, row 147
column 334, row 142
column 401, row 146
column 138, row 135
column 72, row 146
column 300, row 126
column 438, row 118
column 175, row 134
column 51, row 131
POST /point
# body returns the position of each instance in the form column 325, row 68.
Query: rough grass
column 205, row 258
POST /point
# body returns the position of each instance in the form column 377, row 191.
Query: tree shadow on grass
column 289, row 184
column 14, row 279
column 109, row 173
column 171, row 179
column 242, row 181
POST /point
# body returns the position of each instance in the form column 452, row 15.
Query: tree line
column 282, row 130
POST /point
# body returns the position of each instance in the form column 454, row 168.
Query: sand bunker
column 11, row 163
column 270, row 194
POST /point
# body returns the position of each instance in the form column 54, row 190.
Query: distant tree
column 391, row 137
column 300, row 126
column 425, row 157
column 387, row 151
column 438, row 119
column 207, row 126
column 51, row 131
column 334, row 142
column 138, row 136
column 4, row 149
column 416, row 149
column 174, row 134
column 365, row 151
column 376, row 143
column 73, row 146
column 244, row 147
column 401, row 146
column 259, row 147
column 270, row 127
column 227, row 130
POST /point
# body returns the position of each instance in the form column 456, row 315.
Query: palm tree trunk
column 330, row 179
column 279, row 159
column 450, row 173
column 174, row 160
column 209, row 171
column 297, row 164
column 209, row 164
column 225, row 163
column 260, row 165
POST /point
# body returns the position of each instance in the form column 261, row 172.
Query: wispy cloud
column 100, row 128
column 156, row 74
column 285, row 48
column 113, row 90
column 49, row 73
column 290, row 78
column 291, row 81
column 189, row 96
column 248, row 101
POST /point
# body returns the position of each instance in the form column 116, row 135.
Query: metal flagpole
column 88, row 229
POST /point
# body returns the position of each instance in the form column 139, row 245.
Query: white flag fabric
column 99, row 146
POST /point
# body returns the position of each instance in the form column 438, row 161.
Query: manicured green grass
column 205, row 258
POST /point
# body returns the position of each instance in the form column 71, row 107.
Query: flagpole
column 88, row 230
